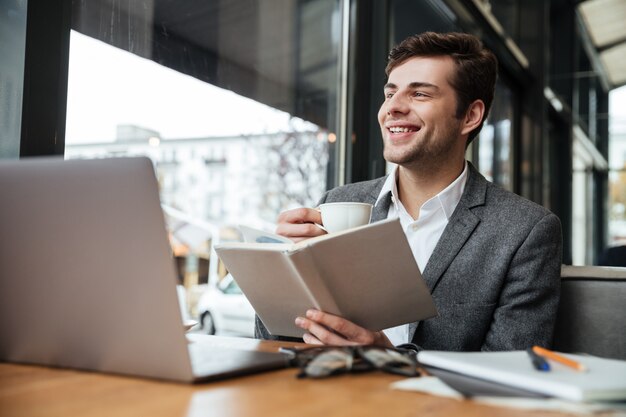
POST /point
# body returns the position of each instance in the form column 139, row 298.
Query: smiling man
column 491, row 259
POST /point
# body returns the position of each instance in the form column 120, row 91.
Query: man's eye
column 388, row 95
column 419, row 94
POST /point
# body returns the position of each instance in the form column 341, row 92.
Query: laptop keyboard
column 209, row 360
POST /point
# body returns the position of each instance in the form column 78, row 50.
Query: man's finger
column 310, row 339
column 321, row 333
column 295, row 231
column 300, row 215
column 344, row 327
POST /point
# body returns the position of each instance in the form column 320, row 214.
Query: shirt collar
column 448, row 198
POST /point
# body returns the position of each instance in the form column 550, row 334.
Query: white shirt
column 424, row 232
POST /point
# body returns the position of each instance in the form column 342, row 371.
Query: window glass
column 495, row 139
column 507, row 13
column 617, row 167
column 12, row 48
column 232, row 288
column 410, row 17
column 581, row 210
column 234, row 101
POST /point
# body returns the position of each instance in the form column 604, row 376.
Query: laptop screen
column 86, row 275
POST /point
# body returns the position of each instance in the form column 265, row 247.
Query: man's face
column 417, row 118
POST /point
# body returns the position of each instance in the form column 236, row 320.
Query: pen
column 558, row 358
column 539, row 362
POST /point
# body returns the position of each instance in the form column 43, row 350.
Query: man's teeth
column 401, row 129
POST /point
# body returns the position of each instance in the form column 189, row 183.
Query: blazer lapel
column 456, row 233
column 461, row 225
column 381, row 210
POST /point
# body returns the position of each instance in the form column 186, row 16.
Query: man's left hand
column 328, row 329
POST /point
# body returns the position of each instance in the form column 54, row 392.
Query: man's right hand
column 300, row 224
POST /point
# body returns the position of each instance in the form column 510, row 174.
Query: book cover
column 367, row 275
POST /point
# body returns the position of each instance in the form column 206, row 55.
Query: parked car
column 223, row 308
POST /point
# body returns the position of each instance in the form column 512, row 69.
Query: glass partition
column 235, row 102
column 12, row 49
column 617, row 169
column 494, row 142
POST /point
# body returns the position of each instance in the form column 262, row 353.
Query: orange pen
column 548, row 354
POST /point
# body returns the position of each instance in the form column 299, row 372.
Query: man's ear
column 473, row 116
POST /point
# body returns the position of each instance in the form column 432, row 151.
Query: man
column 490, row 258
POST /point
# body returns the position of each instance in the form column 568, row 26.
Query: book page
column 270, row 283
column 373, row 277
column 308, row 273
column 252, row 235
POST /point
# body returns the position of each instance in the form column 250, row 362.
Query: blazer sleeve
column 529, row 299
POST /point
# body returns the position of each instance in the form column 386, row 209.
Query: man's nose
column 397, row 104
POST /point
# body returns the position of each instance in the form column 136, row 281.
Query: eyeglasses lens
column 390, row 360
column 328, row 363
column 323, row 362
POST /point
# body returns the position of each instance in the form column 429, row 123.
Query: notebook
column 512, row 374
column 87, row 279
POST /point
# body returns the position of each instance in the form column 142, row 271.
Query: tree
column 292, row 171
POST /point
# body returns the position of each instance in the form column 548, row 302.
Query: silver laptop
column 87, row 280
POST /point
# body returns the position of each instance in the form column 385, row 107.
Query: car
column 224, row 309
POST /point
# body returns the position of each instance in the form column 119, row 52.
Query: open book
column 367, row 275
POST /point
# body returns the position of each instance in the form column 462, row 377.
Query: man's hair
column 476, row 66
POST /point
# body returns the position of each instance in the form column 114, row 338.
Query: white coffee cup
column 341, row 216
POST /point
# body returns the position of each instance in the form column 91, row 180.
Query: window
column 617, row 168
column 411, row 17
column 494, row 142
column 235, row 102
column 218, row 95
column 12, row 44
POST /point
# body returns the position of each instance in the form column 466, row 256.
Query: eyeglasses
column 320, row 362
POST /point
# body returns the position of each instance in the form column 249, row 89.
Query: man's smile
column 402, row 128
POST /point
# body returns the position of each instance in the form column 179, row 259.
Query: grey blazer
column 494, row 274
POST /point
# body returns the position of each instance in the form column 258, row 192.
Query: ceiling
column 605, row 23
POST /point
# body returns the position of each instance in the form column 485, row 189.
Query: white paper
column 252, row 235
column 434, row 386
column 605, row 379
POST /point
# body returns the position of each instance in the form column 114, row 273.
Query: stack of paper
column 605, row 379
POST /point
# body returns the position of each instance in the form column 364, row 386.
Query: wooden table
column 33, row 391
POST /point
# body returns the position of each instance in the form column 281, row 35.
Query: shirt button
column 414, row 227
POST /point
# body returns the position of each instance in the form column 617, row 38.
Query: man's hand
column 300, row 224
column 327, row 329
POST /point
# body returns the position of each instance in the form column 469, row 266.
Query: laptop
column 87, row 280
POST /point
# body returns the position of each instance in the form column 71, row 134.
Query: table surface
column 34, row 391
